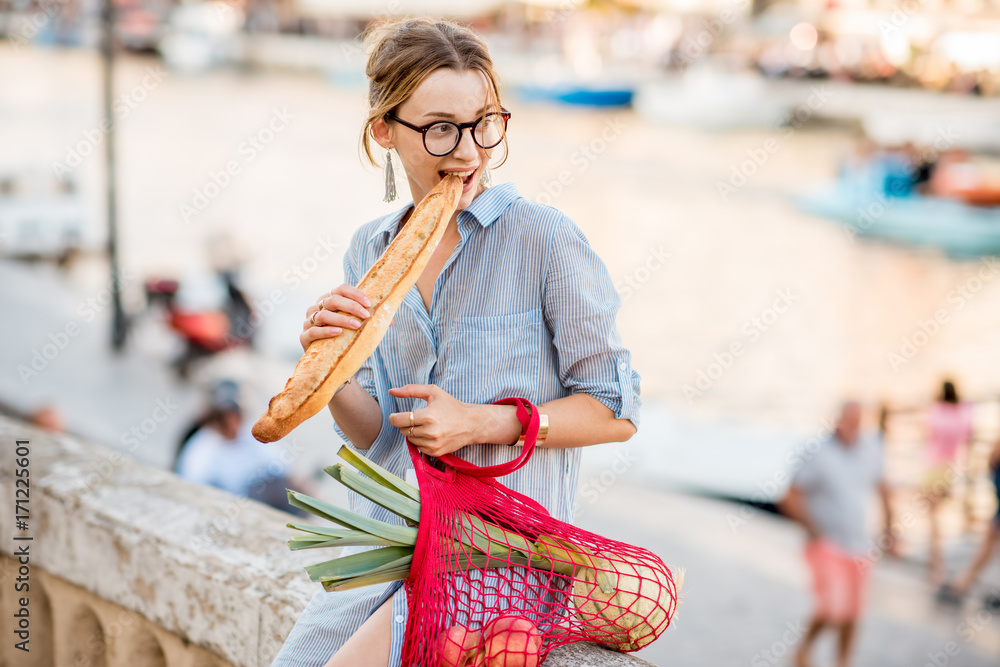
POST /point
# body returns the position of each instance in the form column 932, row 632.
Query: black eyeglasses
column 443, row 136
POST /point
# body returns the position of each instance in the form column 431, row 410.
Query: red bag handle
column 527, row 414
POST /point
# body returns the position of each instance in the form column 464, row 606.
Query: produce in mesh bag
column 626, row 601
column 511, row 585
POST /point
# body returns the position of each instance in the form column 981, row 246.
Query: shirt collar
column 484, row 209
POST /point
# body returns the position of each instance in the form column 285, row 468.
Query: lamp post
column 119, row 324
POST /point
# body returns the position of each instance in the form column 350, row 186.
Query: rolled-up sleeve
column 580, row 304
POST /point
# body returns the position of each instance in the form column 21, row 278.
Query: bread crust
column 330, row 362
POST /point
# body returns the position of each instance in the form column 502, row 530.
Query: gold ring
column 312, row 318
column 320, row 304
column 411, row 420
column 410, row 432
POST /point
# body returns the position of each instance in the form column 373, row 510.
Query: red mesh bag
column 496, row 581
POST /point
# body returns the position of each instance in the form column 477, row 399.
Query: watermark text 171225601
column 22, row 543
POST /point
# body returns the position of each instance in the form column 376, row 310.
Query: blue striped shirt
column 525, row 307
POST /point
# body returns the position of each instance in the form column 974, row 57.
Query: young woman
column 514, row 302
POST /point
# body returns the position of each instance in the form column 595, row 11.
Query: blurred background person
column 828, row 497
column 955, row 593
column 949, row 430
column 219, row 450
column 48, row 418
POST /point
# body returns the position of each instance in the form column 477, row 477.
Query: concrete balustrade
column 130, row 566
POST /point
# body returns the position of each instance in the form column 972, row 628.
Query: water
column 739, row 309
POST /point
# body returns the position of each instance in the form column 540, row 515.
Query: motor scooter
column 204, row 332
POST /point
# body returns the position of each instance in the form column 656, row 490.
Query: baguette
column 330, row 362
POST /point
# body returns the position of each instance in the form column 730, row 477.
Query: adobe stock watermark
column 32, row 24
column 226, row 522
column 640, row 275
column 163, row 410
column 968, row 628
column 355, row 50
column 918, row 505
column 898, row 17
column 777, row 652
column 321, row 253
column 250, row 148
column 695, row 46
column 752, row 330
column 582, row 158
column 296, row 275
column 59, row 340
column 871, row 213
column 121, row 107
column 563, row 11
column 926, row 330
column 591, row 489
column 767, row 490
column 224, row 10
column 741, row 173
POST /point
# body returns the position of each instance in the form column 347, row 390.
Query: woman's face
column 444, row 95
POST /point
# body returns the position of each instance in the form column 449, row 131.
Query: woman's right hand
column 352, row 305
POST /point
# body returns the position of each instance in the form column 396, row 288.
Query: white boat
column 713, row 98
column 41, row 216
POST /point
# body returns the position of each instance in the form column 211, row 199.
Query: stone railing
column 130, row 566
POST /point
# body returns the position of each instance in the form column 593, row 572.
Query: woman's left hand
column 444, row 426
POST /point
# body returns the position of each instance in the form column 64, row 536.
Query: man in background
column 220, row 450
column 828, row 497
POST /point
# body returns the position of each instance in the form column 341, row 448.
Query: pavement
column 56, row 352
column 745, row 597
column 745, row 592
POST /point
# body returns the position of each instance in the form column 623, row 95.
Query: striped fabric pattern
column 525, row 307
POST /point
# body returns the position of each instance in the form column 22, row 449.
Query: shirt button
column 622, row 366
column 399, row 618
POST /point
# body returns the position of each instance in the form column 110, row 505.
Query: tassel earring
column 390, row 178
column 485, row 178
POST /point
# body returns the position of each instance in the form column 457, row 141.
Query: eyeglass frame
column 422, row 129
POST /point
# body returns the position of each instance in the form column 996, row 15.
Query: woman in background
column 954, row 593
column 949, row 429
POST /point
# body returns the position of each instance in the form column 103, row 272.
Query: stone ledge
column 196, row 561
column 71, row 626
column 202, row 564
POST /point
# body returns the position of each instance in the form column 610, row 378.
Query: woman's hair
column 402, row 53
column 948, row 392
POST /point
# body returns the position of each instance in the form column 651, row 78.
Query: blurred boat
column 714, row 98
column 41, row 216
column 588, row 95
column 972, row 131
column 201, row 35
column 960, row 230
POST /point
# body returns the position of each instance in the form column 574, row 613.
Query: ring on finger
column 320, row 304
column 410, row 432
column 411, row 420
column 312, row 318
